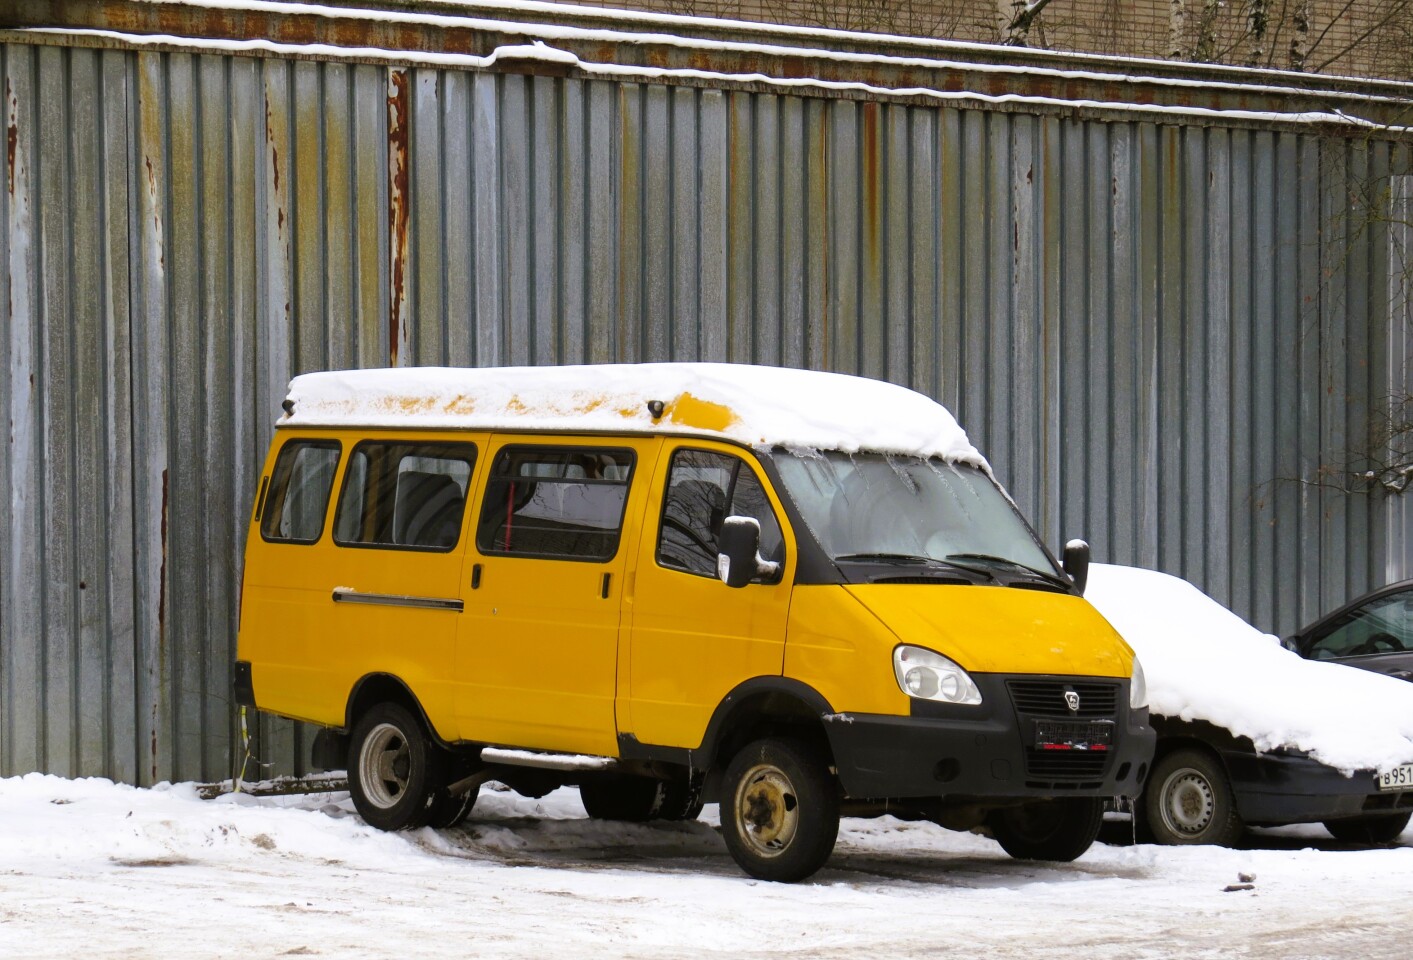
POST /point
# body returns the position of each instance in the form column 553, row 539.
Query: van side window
column 299, row 491
column 704, row 488
column 405, row 496
column 557, row 502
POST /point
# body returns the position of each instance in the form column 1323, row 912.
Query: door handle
column 475, row 576
column 603, row 589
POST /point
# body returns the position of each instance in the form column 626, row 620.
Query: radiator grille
column 1046, row 698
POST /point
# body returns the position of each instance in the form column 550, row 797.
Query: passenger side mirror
column 738, row 560
column 1076, row 563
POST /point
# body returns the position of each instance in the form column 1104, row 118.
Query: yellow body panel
column 692, row 638
column 843, row 651
column 567, row 655
column 842, row 637
column 1001, row 629
column 307, row 652
column 537, row 649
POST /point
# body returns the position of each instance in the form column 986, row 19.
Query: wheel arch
column 763, row 706
column 1208, row 738
column 374, row 688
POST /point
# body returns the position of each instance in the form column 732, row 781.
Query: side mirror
column 1076, row 563
column 738, row 561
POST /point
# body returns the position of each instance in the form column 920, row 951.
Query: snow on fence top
column 1203, row 662
column 758, row 406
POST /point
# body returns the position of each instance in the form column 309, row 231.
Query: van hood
column 988, row 629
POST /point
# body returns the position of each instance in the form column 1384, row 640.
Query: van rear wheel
column 394, row 772
column 621, row 797
column 779, row 810
column 1058, row 830
column 638, row 799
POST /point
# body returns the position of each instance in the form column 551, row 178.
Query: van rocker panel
column 944, row 750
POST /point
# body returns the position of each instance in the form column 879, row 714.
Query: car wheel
column 1189, row 799
column 448, row 811
column 779, row 810
column 1059, row 830
column 681, row 800
column 394, row 773
column 1383, row 829
column 621, row 797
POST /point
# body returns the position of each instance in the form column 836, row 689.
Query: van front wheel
column 779, row 810
column 393, row 771
column 1058, row 830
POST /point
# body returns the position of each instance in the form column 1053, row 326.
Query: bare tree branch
column 1017, row 32
column 1391, row 13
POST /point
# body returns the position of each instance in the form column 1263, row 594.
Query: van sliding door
column 537, row 650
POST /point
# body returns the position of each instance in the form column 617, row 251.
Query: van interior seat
column 428, row 510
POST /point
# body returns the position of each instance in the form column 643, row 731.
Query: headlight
column 931, row 676
column 1138, row 687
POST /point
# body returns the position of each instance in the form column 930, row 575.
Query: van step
column 546, row 761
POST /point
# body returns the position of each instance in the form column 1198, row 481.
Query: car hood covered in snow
column 1203, row 662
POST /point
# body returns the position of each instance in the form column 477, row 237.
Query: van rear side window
column 299, row 491
column 565, row 503
column 408, row 496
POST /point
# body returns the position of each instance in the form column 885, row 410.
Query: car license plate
column 1074, row 734
column 1399, row 778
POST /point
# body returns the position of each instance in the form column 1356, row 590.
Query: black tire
column 448, row 811
column 1380, row 829
column 779, row 810
column 680, row 800
column 1188, row 799
column 1057, row 830
column 639, row 799
column 394, row 772
column 621, row 797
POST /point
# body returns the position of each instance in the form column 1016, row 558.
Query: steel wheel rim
column 384, row 765
column 767, row 810
column 1188, row 802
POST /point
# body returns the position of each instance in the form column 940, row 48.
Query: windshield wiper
column 908, row 558
column 1014, row 565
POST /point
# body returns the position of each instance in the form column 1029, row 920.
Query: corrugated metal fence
column 1153, row 330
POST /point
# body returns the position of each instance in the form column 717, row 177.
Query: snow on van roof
column 754, row 405
column 1203, row 662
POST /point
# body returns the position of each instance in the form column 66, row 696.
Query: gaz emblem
column 1072, row 701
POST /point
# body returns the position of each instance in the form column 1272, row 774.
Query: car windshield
column 876, row 506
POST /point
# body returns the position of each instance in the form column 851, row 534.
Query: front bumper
column 1276, row 788
column 986, row 751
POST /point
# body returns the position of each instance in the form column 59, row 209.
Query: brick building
column 1365, row 38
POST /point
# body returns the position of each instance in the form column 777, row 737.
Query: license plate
column 1399, row 778
column 1074, row 734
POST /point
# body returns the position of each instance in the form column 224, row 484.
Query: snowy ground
column 89, row 869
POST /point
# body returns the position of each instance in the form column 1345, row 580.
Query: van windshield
column 880, row 507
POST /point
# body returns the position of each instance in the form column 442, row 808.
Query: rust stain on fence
column 398, row 210
column 12, row 135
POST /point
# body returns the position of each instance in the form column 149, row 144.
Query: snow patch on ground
column 93, row 869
